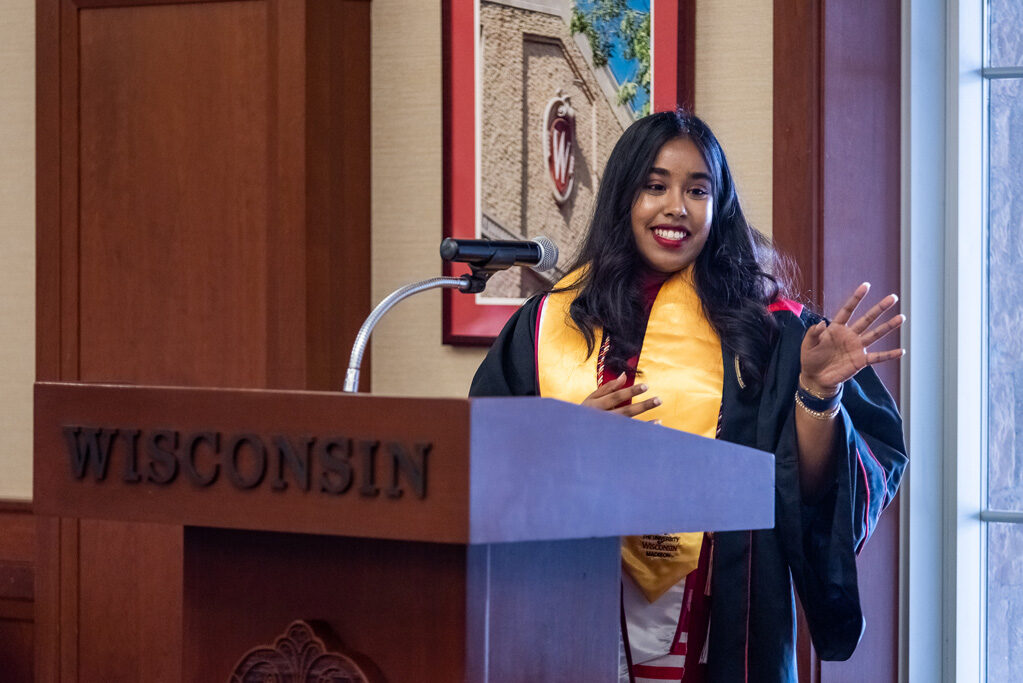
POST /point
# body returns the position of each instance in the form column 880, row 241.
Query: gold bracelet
column 823, row 397
column 817, row 414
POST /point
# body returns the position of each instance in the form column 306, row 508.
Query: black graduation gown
column 812, row 547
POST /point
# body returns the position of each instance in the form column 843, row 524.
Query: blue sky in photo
column 624, row 69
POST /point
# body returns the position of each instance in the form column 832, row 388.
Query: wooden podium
column 424, row 539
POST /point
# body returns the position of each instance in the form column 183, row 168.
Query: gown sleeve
column 821, row 540
column 510, row 366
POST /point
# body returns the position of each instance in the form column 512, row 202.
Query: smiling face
column 673, row 209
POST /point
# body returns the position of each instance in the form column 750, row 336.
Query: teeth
column 670, row 234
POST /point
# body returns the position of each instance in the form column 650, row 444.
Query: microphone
column 540, row 253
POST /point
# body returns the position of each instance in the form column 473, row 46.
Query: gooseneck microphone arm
column 469, row 283
column 485, row 257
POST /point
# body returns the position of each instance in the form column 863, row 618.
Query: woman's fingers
column 636, row 408
column 813, row 334
column 617, row 398
column 609, row 397
column 844, row 313
column 606, row 388
column 870, row 316
column 881, row 330
column 882, row 356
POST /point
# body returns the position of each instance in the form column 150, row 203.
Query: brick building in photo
column 529, row 57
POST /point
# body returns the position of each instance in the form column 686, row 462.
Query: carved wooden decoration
column 300, row 655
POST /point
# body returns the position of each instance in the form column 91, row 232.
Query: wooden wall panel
column 203, row 219
column 861, row 137
column 17, row 592
column 16, row 650
column 337, row 143
column 797, row 152
column 861, row 241
column 837, row 212
column 173, row 171
column 686, row 86
column 208, row 197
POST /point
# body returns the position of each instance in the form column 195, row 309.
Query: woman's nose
column 676, row 205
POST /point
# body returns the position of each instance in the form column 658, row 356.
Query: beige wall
column 407, row 355
column 733, row 93
column 17, row 245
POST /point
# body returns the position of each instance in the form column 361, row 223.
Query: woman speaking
column 674, row 313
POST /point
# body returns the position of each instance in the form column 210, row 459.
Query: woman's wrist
column 816, row 389
column 822, row 403
column 825, row 413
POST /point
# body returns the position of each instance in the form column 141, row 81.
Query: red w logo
column 560, row 159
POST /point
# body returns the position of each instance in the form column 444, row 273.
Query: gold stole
column 680, row 361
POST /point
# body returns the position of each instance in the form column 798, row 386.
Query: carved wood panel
column 304, row 652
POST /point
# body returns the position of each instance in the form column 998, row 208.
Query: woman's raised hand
column 832, row 354
column 610, row 396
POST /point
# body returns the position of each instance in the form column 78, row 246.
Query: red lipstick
column 670, row 236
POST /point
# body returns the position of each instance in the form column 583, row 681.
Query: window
column 1002, row 514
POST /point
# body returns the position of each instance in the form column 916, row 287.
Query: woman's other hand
column 611, row 396
column 832, row 354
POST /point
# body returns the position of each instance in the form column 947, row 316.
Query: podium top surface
column 441, row 470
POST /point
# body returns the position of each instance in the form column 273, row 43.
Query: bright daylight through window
column 1004, row 513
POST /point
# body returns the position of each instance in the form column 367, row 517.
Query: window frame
column 943, row 131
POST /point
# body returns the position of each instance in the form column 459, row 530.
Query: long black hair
column 732, row 273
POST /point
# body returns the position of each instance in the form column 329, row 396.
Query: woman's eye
column 655, row 187
column 699, row 192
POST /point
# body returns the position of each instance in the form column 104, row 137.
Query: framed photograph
column 536, row 93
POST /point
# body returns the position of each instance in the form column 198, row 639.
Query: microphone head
column 548, row 254
column 448, row 249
